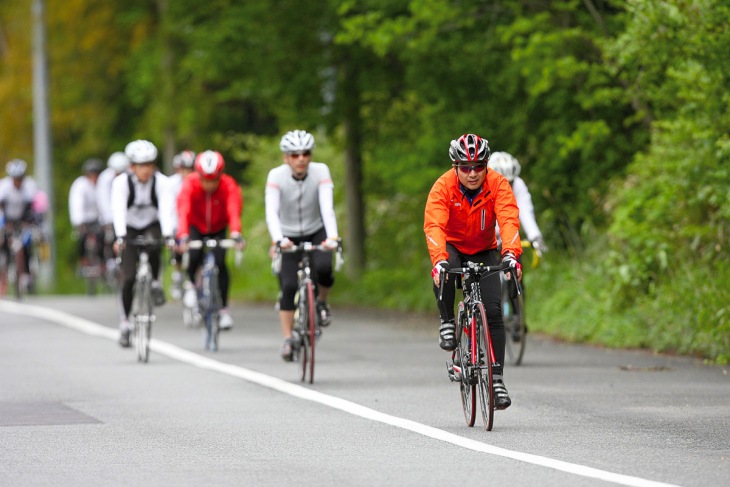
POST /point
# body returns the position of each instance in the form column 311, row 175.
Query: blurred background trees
column 617, row 111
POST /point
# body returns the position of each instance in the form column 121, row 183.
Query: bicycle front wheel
column 212, row 315
column 462, row 359
column 484, row 370
column 310, row 338
column 143, row 320
column 513, row 313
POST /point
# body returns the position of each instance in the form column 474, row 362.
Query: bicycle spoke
column 462, row 359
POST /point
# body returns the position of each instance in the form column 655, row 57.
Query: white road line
column 182, row 355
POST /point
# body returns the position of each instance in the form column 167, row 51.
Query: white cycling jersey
column 142, row 212
column 15, row 200
column 104, row 195
column 82, row 207
column 528, row 223
column 296, row 208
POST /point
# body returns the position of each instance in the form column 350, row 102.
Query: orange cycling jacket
column 449, row 217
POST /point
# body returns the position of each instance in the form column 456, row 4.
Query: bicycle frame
column 144, row 315
column 209, row 298
column 306, row 330
column 469, row 366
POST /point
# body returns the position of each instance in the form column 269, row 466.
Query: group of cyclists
column 478, row 200
column 200, row 201
column 474, row 212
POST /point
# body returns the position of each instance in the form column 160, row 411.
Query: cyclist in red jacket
column 209, row 202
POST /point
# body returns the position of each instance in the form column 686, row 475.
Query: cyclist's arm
column 120, row 194
column 436, row 216
column 234, row 203
column 166, row 201
column 505, row 207
column 272, row 199
column 327, row 205
column 76, row 203
column 527, row 210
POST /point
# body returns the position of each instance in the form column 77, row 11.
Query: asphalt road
column 75, row 409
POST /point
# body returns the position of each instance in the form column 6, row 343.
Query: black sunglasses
column 466, row 168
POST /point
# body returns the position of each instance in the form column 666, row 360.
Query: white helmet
column 118, row 161
column 141, row 151
column 296, row 141
column 184, row 159
column 505, row 164
column 16, row 168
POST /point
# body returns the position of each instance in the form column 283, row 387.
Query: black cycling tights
column 130, row 255
column 321, row 267
column 196, row 259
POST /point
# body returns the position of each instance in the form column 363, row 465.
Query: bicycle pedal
column 454, row 375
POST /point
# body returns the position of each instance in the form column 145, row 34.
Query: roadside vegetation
column 618, row 110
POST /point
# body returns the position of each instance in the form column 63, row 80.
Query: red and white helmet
column 209, row 164
column 469, row 148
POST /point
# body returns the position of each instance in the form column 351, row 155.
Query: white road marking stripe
column 191, row 358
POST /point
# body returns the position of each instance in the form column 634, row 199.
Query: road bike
column 143, row 311
column 306, row 329
column 513, row 312
column 474, row 357
column 208, row 289
column 91, row 267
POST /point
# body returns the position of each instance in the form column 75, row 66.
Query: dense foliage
column 618, row 111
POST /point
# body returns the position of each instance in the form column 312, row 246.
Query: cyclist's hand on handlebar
column 332, row 243
column 285, row 243
column 118, row 245
column 169, row 242
column 240, row 241
column 439, row 271
column 509, row 258
column 182, row 244
column 539, row 245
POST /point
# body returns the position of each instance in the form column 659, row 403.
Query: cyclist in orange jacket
column 462, row 209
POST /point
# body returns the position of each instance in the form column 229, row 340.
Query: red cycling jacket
column 209, row 212
column 449, row 217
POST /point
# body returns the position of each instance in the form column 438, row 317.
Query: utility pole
column 42, row 134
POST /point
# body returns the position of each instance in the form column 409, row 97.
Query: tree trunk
column 354, row 243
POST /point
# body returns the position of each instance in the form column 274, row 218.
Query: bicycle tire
column 484, row 370
column 312, row 328
column 143, row 319
column 463, row 356
column 302, row 326
column 212, row 315
column 19, row 273
column 515, row 328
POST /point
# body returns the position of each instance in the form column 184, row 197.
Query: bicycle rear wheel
column 513, row 313
column 484, row 371
column 462, row 359
column 143, row 320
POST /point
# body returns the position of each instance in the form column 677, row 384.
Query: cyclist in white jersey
column 300, row 208
column 117, row 164
column 183, row 164
column 17, row 194
column 142, row 205
column 509, row 167
column 82, row 205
